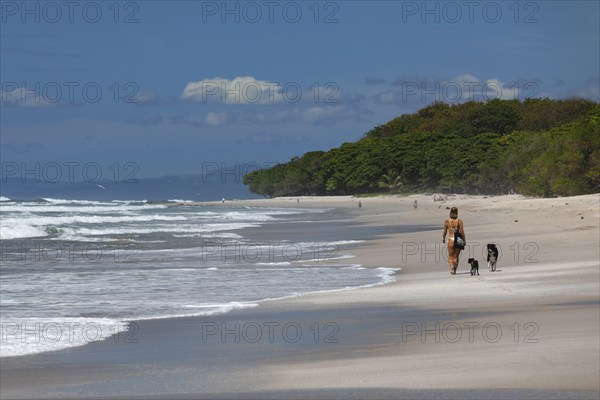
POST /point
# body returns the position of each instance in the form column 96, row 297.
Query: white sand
column 544, row 297
column 529, row 330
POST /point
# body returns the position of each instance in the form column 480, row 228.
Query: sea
column 79, row 271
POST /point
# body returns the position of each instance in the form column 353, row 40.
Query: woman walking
column 452, row 225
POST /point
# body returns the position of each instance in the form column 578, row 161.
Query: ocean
column 78, row 271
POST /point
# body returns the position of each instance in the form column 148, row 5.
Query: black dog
column 492, row 257
column 474, row 266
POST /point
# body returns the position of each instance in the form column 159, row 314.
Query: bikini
column 452, row 229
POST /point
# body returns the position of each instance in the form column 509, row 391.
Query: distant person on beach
column 450, row 225
column 415, row 204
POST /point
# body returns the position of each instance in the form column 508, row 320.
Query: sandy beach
column 529, row 330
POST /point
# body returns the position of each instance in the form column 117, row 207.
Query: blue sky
column 175, row 86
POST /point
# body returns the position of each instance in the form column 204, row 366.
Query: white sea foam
column 66, row 201
column 209, row 309
column 280, row 263
column 387, row 275
column 75, row 233
column 330, row 244
column 89, row 209
column 227, row 235
column 91, row 202
column 130, row 201
column 164, row 281
column 201, row 310
column 2, row 198
column 8, row 232
column 238, row 216
column 37, row 226
column 330, row 259
column 57, row 333
column 24, row 336
column 344, row 242
column 89, row 219
column 62, row 219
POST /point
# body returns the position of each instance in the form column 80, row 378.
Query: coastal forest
column 535, row 147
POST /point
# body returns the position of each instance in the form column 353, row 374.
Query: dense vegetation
column 537, row 147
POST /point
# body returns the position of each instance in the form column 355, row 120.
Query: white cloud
column 208, row 119
column 23, row 97
column 321, row 114
column 216, row 119
column 318, row 113
column 240, row 90
column 142, row 97
column 495, row 89
column 465, row 78
column 421, row 91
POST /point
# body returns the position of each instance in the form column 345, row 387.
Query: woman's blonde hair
column 454, row 213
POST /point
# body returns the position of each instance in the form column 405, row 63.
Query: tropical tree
column 390, row 181
column 538, row 147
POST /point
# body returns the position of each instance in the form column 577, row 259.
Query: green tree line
column 539, row 147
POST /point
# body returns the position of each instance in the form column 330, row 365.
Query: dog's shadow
column 481, row 273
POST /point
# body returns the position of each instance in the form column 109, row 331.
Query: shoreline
column 255, row 235
column 548, row 293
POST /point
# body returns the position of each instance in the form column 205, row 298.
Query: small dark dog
column 474, row 266
column 492, row 257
